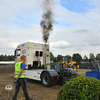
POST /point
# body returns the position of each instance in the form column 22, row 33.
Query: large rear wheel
column 45, row 79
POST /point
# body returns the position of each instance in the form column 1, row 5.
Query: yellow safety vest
column 17, row 70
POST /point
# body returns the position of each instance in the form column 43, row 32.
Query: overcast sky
column 77, row 27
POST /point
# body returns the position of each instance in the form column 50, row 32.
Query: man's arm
column 18, row 75
column 14, row 74
column 20, row 72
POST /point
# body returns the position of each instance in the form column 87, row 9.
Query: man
column 95, row 64
column 20, row 78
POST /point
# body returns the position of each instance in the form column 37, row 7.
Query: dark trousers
column 21, row 82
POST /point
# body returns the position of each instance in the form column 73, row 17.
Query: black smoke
column 47, row 19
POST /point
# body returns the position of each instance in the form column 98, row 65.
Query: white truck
column 37, row 62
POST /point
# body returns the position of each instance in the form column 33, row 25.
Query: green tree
column 59, row 58
column 51, row 56
column 98, row 57
column 77, row 57
column 55, row 59
column 1, row 57
column 5, row 58
column 11, row 57
column 85, row 59
column 91, row 57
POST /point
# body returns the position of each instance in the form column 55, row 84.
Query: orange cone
column 23, row 96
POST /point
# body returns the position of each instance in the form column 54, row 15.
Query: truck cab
column 36, row 55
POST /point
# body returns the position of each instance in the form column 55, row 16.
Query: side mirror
column 37, row 53
column 15, row 53
column 41, row 53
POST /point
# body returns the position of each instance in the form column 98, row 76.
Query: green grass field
column 82, row 72
column 5, row 95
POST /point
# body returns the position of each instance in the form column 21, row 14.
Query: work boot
column 32, row 99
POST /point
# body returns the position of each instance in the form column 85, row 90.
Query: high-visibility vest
column 17, row 70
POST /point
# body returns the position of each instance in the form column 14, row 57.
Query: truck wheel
column 45, row 80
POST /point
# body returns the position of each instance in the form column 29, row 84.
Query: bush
column 80, row 88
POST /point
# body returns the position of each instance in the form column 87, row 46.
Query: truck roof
column 24, row 44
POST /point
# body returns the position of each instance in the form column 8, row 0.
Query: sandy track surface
column 35, row 89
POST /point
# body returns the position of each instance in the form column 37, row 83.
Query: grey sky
column 75, row 31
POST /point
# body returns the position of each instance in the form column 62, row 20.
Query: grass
column 8, row 95
column 6, row 69
column 82, row 72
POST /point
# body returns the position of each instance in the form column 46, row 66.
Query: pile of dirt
column 7, row 69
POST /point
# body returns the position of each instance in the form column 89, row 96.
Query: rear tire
column 45, row 79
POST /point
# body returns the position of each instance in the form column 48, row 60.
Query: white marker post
column 8, row 87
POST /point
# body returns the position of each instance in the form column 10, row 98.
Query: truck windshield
column 17, row 53
column 68, row 59
column 64, row 58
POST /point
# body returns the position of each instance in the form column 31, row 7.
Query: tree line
column 75, row 57
column 7, row 57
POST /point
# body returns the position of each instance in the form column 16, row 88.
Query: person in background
column 95, row 64
column 20, row 78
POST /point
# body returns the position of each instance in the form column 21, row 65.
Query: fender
column 51, row 72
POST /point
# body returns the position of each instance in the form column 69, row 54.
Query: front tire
column 45, row 79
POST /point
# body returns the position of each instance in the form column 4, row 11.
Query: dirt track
column 35, row 89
